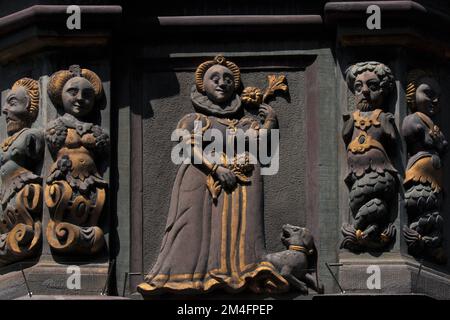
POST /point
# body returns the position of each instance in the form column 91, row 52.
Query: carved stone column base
column 398, row 275
column 51, row 278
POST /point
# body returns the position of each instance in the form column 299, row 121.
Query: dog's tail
column 313, row 264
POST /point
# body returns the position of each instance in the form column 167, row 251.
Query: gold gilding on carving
column 213, row 279
column 254, row 97
column 434, row 130
column 359, row 234
column 363, row 142
column 200, row 72
column 25, row 237
column 60, row 78
column 369, row 134
column 385, row 238
column 75, row 192
column 230, row 243
column 64, row 236
column 300, row 249
column 364, row 123
column 32, row 88
column 241, row 167
column 10, row 140
column 423, row 171
column 20, row 188
column 423, row 182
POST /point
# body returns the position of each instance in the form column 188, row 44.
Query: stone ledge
column 51, row 279
column 399, row 275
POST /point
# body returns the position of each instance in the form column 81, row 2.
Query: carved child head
column 423, row 92
column 371, row 82
column 22, row 105
column 76, row 90
column 218, row 79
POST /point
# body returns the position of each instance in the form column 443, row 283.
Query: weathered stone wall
column 146, row 60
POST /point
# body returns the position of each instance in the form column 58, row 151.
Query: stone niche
column 166, row 99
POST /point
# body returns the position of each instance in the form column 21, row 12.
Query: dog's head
column 299, row 236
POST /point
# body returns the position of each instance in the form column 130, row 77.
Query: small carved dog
column 299, row 261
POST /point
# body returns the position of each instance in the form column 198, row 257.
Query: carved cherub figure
column 299, row 261
column 369, row 134
column 426, row 144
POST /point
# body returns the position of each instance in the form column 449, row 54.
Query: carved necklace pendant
column 433, row 130
column 230, row 123
column 10, row 140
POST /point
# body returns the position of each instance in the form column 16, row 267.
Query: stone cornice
column 43, row 26
column 50, row 14
column 240, row 20
column 347, row 11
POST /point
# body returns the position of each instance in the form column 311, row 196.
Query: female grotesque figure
column 426, row 145
column 369, row 134
column 20, row 157
column 214, row 237
column 75, row 192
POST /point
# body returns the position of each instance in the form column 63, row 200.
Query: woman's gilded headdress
column 413, row 82
column 60, row 78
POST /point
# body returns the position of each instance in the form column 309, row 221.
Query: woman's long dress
column 207, row 243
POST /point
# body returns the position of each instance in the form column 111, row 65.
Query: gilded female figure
column 426, row 144
column 214, row 236
column 75, row 191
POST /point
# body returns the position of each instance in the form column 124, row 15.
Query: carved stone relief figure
column 298, row 262
column 214, row 236
column 426, row 145
column 75, row 191
column 21, row 192
column 369, row 134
